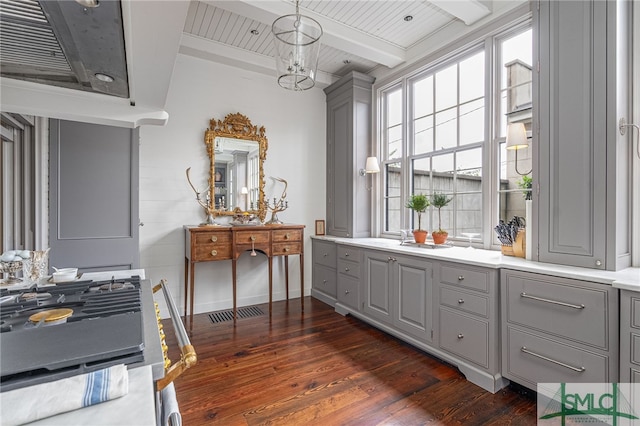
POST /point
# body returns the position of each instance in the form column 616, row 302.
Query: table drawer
column 536, row 359
column 241, row 248
column 559, row 307
column 324, row 280
column 464, row 301
column 475, row 279
column 206, row 252
column 287, row 235
column 349, row 268
column 213, row 238
column 348, row 253
column 324, row 253
column 248, row 237
column 465, row 336
column 285, row 249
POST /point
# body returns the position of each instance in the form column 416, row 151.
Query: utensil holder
column 520, row 245
column 507, row 250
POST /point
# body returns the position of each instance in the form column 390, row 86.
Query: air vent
column 246, row 312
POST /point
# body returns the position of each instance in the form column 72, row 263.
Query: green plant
column 526, row 183
column 419, row 204
column 439, row 200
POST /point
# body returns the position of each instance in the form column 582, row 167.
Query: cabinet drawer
column 206, row 252
column 559, row 307
column 324, row 253
column 548, row 361
column 285, row 249
column 348, row 253
column 464, row 301
column 349, row 268
column 475, row 279
column 465, row 336
column 248, row 237
column 348, row 292
column 213, row 238
column 324, row 280
column 286, row 235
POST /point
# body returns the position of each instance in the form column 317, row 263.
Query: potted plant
column 419, row 204
column 439, row 200
column 526, row 183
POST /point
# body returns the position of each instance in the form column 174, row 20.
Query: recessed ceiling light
column 255, row 32
column 104, row 77
column 408, row 18
column 89, row 3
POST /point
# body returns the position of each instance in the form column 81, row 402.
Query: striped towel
column 31, row 403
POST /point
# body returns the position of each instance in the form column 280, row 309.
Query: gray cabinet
column 468, row 321
column 348, row 146
column 583, row 162
column 558, row 330
column 629, row 336
column 324, row 278
column 398, row 291
column 348, row 289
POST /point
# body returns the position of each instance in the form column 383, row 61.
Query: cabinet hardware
column 537, row 355
column 598, row 263
column 286, row 236
column 214, row 239
column 346, row 292
column 460, row 277
column 555, row 302
column 214, row 252
column 346, row 254
column 461, row 301
column 346, row 269
column 286, row 249
column 460, row 336
column 253, row 238
column 325, row 255
column 391, row 259
column 324, row 281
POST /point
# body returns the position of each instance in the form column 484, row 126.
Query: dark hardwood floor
column 322, row 368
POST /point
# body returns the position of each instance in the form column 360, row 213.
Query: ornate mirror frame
column 236, row 126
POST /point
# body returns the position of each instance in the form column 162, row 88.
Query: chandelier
column 297, row 40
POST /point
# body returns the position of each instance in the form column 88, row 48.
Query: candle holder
column 10, row 268
column 279, row 205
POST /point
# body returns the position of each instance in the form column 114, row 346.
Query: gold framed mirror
column 237, row 150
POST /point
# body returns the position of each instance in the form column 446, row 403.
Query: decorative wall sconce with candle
column 517, row 140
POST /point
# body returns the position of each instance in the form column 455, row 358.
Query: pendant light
column 297, row 41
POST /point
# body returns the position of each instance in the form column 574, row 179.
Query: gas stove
column 53, row 332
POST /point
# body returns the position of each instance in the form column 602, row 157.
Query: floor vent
column 246, row 312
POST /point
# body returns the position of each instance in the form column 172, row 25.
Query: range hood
column 64, row 44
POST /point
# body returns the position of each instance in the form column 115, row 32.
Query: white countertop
column 626, row 279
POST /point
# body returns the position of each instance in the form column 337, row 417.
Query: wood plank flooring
column 322, row 368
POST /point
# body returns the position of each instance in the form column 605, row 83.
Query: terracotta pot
column 420, row 236
column 439, row 237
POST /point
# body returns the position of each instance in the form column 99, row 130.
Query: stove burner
column 51, row 316
column 25, row 297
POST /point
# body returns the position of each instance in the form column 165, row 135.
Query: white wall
column 295, row 127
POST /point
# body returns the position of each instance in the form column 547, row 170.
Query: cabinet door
column 377, row 286
column 572, row 139
column 413, row 286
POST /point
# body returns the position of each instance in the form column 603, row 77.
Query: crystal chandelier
column 297, row 40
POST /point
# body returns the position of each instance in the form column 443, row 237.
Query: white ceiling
column 369, row 36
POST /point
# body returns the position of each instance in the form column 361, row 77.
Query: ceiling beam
column 468, row 11
column 335, row 34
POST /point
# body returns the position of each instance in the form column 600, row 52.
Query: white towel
column 31, row 403
column 170, row 410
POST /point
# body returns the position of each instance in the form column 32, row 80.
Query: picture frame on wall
column 319, row 227
column 220, row 175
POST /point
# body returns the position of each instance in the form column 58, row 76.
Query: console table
column 215, row 243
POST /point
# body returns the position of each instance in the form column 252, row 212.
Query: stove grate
column 245, row 312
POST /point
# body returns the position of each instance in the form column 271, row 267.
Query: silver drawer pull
column 555, row 302
column 460, row 277
column 460, row 336
column 324, row 281
column 461, row 301
column 325, row 255
column 346, row 254
column 570, row 367
column 347, row 292
column 346, row 269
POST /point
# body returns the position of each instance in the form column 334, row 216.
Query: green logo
column 587, row 404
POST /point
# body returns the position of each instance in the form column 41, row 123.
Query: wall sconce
column 245, row 191
column 516, row 140
column 371, row 166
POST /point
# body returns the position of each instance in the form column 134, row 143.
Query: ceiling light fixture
column 104, row 77
column 255, row 32
column 297, row 40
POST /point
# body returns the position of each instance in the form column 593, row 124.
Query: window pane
column 446, row 129
column 394, row 146
column 420, row 183
column 468, row 214
column 392, row 197
column 447, row 88
column 423, row 97
column 469, row 163
column 472, row 122
column 394, row 107
column 423, row 135
column 443, row 171
column 393, row 131
column 472, row 78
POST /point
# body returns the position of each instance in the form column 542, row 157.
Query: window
column 443, row 131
